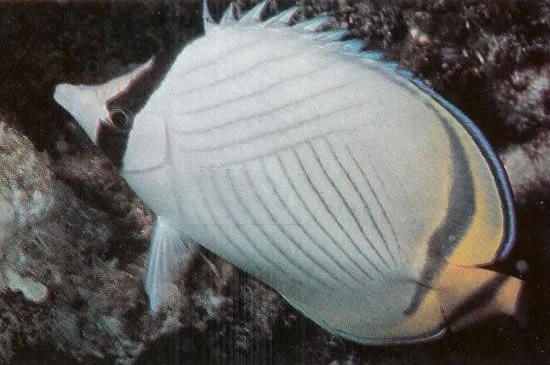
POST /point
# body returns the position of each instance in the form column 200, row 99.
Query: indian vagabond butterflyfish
column 368, row 201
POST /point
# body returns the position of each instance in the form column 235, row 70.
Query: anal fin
column 169, row 253
column 470, row 294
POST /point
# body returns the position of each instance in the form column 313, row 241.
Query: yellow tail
column 470, row 294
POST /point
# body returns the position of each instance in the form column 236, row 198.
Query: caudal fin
column 470, row 294
column 512, row 300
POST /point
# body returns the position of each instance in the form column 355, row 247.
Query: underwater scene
column 317, row 182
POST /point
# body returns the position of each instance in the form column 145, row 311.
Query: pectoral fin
column 169, row 253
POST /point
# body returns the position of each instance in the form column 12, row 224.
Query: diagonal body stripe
column 305, row 229
column 313, row 215
column 251, row 243
column 329, row 211
column 207, row 214
column 228, row 78
column 266, row 236
column 366, row 207
column 265, row 113
column 227, row 162
column 216, row 58
column 281, row 82
column 372, row 191
column 276, row 133
column 288, row 239
column 348, row 207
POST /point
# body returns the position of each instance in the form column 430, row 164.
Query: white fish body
column 359, row 195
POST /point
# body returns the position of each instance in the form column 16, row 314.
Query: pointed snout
column 83, row 105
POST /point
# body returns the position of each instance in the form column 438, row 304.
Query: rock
column 57, row 288
column 26, row 183
column 32, row 290
column 528, row 166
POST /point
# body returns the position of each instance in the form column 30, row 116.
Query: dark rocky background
column 73, row 237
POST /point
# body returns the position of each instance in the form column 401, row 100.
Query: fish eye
column 120, row 118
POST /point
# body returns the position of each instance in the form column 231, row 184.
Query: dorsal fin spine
column 207, row 20
column 372, row 55
column 332, row 35
column 314, row 24
column 353, row 47
column 254, row 15
column 228, row 18
column 284, row 18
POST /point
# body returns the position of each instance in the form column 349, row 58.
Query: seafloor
column 73, row 237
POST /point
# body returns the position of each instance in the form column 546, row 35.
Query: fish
column 369, row 202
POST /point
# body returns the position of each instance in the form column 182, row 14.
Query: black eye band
column 112, row 134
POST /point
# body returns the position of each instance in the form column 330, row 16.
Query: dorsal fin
column 403, row 72
column 332, row 35
column 353, row 46
column 207, row 21
column 391, row 66
column 228, row 17
column 314, row 24
column 372, row 55
column 284, row 18
column 254, row 15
